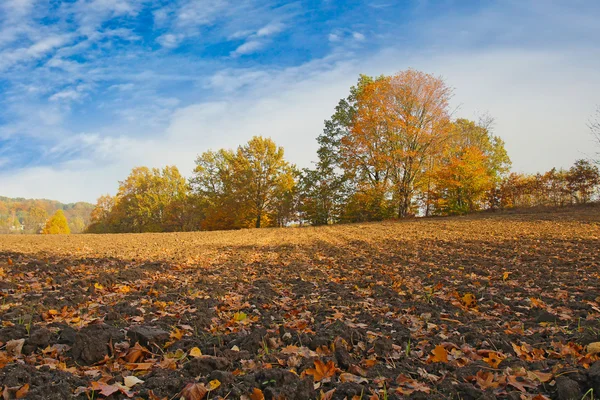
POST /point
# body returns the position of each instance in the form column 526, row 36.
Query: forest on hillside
column 391, row 149
column 18, row 215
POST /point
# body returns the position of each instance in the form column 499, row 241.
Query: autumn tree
column 143, row 198
column 57, row 224
column 100, row 220
column 583, row 181
column 384, row 135
column 213, row 191
column 36, row 218
column 251, row 187
column 261, row 176
column 462, row 182
column 472, row 164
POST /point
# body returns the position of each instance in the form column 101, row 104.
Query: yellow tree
column 57, row 224
column 143, row 199
column 261, row 177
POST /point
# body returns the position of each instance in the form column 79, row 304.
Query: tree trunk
column 258, row 219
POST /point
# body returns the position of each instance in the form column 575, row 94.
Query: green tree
column 57, row 224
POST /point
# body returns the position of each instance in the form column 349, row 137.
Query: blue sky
column 91, row 88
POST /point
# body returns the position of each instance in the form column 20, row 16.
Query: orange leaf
column 257, row 394
column 439, row 354
column 321, row 370
column 494, row 359
column 22, row 392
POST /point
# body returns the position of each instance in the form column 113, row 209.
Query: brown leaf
column 14, row 347
column 347, row 377
column 194, row 391
column 104, row 389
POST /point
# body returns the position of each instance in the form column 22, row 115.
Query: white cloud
column 68, row 95
column 358, row 36
column 249, row 47
column 270, row 29
column 169, row 40
column 39, row 49
column 334, row 37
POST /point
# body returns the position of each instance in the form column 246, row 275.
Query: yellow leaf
column 98, row 286
column 212, row 385
column 195, row 352
column 506, row 275
column 469, row 300
column 177, row 334
column 239, row 316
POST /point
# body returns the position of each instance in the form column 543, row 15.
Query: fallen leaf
column 494, row 359
column 593, row 348
column 257, row 394
column 321, row 370
column 347, row 377
column 469, row 300
column 438, row 354
column 14, row 347
column 212, row 385
column 195, row 352
column 104, row 389
column 194, row 391
column 130, row 381
column 22, row 392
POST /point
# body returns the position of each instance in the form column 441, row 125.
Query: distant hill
column 19, row 215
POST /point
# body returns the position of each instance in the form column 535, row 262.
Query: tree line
column 390, row 150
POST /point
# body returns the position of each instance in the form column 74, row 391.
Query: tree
column 57, row 224
column 251, row 187
column 583, row 180
column 384, row 136
column 261, row 176
column 36, row 218
column 464, row 176
column 213, row 191
column 143, row 198
column 463, row 182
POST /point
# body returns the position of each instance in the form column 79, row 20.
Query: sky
column 90, row 89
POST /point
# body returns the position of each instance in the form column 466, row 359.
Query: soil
column 483, row 307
